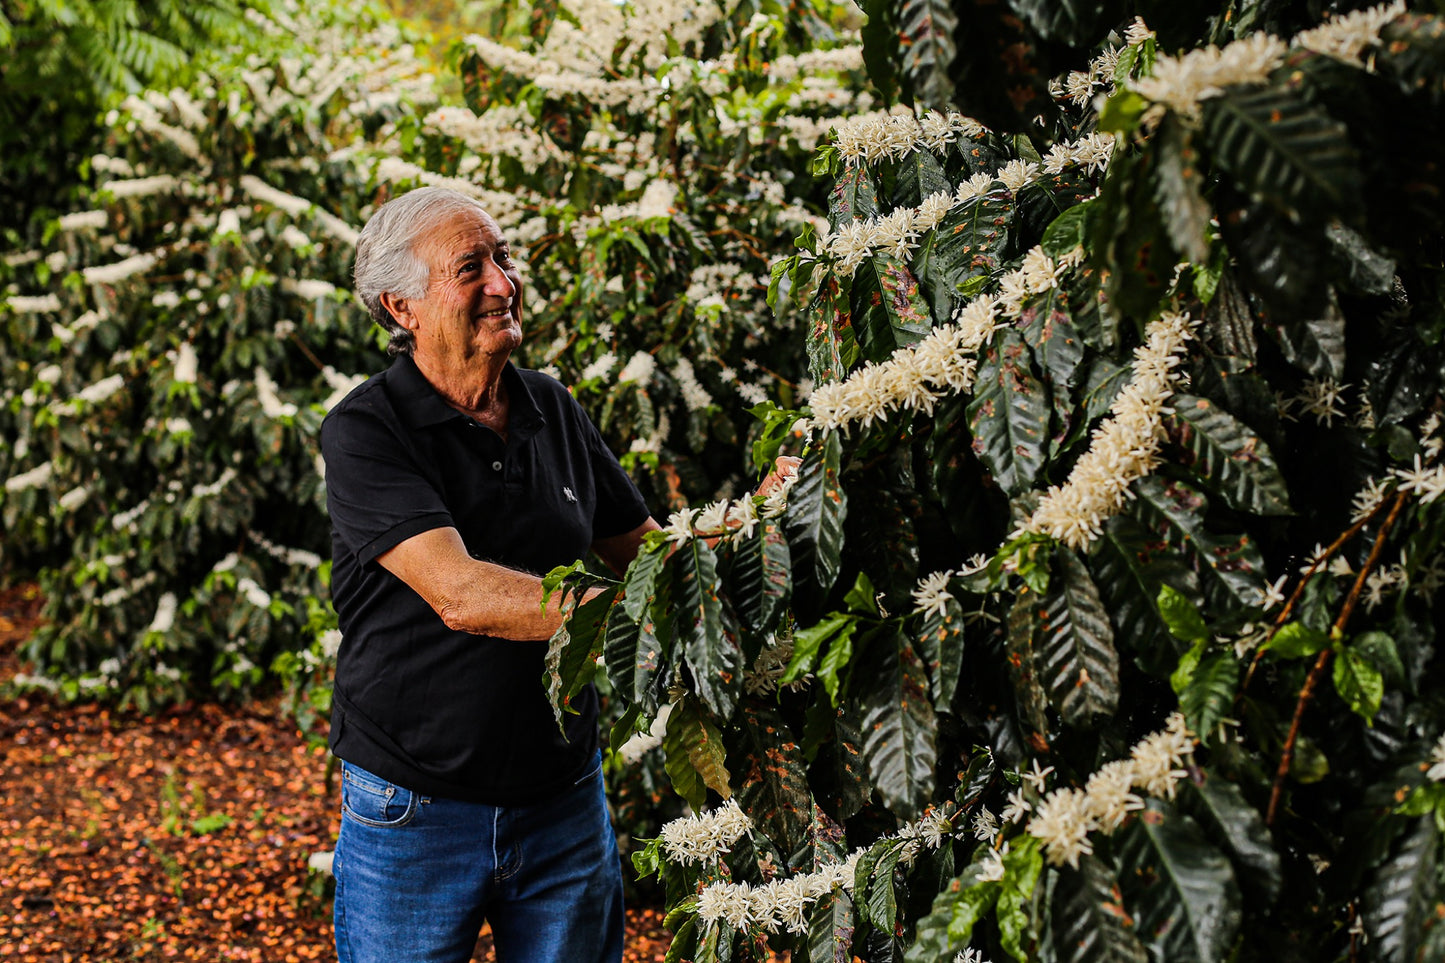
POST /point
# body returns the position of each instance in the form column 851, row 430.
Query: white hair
column 386, row 258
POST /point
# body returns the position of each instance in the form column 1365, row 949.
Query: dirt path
column 178, row 836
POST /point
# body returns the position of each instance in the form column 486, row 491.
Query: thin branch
column 1318, row 671
column 1299, row 588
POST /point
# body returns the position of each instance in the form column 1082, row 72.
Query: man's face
column 472, row 311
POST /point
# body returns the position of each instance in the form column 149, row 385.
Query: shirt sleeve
column 620, row 507
column 377, row 495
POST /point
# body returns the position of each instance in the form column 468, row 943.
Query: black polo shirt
column 436, row 710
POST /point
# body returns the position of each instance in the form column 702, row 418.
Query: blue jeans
column 417, row 875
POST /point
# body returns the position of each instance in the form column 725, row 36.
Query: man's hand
column 784, row 467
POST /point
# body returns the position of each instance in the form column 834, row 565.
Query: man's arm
column 471, row 595
column 619, row 550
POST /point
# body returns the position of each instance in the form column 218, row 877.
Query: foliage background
column 1118, row 394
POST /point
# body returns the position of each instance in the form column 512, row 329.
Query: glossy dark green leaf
column 760, row 581
column 830, row 929
column 1056, row 343
column 832, row 346
column 874, row 886
column 967, row 244
column 1228, row 819
column 1127, row 238
column 693, row 754
column 1074, row 651
column 1401, row 895
column 711, row 650
column 1010, row 414
column 926, row 36
column 1315, row 345
column 571, row 659
column 956, row 911
column 899, row 728
column 813, row 523
column 1208, row 695
column 1023, row 624
column 772, row 785
column 1229, row 321
column 1091, row 924
column 1131, row 567
column 1179, row 187
column 1236, row 462
column 888, row 311
column 940, row 645
column 1066, row 231
column 854, row 196
column 1182, row 889
column 1284, row 151
column 879, row 33
column 1077, row 23
column 1232, row 563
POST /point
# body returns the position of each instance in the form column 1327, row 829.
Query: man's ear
column 400, row 309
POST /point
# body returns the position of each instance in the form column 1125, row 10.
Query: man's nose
column 498, row 284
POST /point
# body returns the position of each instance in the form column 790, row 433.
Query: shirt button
column 496, row 466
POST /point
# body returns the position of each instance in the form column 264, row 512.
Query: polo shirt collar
column 420, row 405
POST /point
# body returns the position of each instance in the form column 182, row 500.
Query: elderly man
column 453, row 479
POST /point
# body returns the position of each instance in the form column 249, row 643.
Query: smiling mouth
column 501, row 313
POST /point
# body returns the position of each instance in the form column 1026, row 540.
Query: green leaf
column 1227, row 818
column 1232, row 563
column 1209, row 694
column 832, row 347
column 838, row 658
column 1075, row 647
column 949, row 925
column 1380, row 650
column 879, row 36
column 1182, row 616
column 1056, row 343
column 874, row 884
column 693, row 754
column 888, row 312
column 711, row 650
column 630, row 667
column 965, row 247
column 1400, row 898
column 1315, row 345
column 813, row 522
column 1359, row 683
column 1235, row 461
column 1022, row 660
column 854, row 197
column 1122, row 112
column 1066, row 231
column 1178, row 185
column 571, row 659
column 772, row 784
column 1182, row 890
column 1022, row 865
column 919, row 174
column 1090, row 921
column 1295, row 640
column 926, row 37
column 1010, row 413
column 1284, row 151
column 830, row 928
column 940, row 644
column 759, row 580
column 899, row 729
column 808, row 644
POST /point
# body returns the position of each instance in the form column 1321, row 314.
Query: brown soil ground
column 177, row 836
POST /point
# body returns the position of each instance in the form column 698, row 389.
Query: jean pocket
column 592, row 773
column 372, row 801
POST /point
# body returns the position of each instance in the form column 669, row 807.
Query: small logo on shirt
column 571, row 496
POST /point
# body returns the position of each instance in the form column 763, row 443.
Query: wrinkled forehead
column 459, row 233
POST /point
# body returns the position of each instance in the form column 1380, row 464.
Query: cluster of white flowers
column 768, row 669
column 341, row 385
column 34, row 478
column 880, row 135
column 917, row 376
column 145, row 113
column 1122, row 449
column 1078, row 86
column 120, row 270
column 94, row 394
column 694, row 395
column 641, row 743
column 141, row 186
column 296, row 206
column 639, row 369
column 291, row 556
column 1064, row 818
column 84, row 220
column 271, row 404
column 1425, row 481
column 704, row 837
column 1182, row 83
column 254, row 593
column 40, row 304
column 165, row 615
